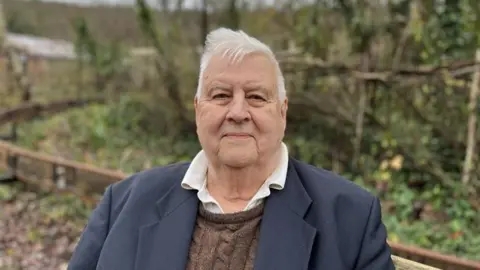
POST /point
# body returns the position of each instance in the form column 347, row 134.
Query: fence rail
column 59, row 174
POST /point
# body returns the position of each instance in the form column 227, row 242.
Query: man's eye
column 256, row 97
column 220, row 96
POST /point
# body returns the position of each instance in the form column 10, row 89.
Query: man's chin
column 239, row 158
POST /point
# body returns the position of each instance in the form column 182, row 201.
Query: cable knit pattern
column 225, row 241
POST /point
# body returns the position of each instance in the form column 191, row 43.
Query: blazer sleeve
column 375, row 253
column 87, row 251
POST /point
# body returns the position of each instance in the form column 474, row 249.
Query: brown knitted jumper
column 225, row 241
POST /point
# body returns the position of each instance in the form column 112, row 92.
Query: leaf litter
column 39, row 230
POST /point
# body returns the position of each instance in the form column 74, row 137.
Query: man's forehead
column 220, row 62
column 222, row 79
column 253, row 71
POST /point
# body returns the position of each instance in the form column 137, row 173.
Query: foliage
column 8, row 192
column 442, row 238
column 453, row 235
column 102, row 138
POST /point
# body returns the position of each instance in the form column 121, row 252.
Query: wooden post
column 3, row 38
column 472, row 124
column 3, row 28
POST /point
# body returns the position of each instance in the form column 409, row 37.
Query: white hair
column 236, row 44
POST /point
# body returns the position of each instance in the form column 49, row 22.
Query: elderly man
column 242, row 203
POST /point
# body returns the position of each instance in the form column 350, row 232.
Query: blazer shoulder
column 157, row 178
column 325, row 183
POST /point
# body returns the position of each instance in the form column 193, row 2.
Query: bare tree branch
column 297, row 63
column 166, row 65
column 360, row 112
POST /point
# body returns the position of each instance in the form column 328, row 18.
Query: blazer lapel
column 165, row 244
column 285, row 238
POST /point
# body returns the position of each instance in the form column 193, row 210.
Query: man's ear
column 195, row 106
column 284, row 108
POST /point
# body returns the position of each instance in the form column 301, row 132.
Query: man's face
column 240, row 119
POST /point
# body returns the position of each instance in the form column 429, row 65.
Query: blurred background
column 384, row 92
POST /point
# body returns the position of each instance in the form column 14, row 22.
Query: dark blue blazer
column 318, row 221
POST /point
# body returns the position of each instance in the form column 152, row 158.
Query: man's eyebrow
column 254, row 87
column 217, row 83
column 258, row 88
column 219, row 87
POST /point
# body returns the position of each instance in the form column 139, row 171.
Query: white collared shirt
column 196, row 176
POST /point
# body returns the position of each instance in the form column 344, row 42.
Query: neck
column 239, row 185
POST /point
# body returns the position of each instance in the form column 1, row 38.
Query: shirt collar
column 196, row 173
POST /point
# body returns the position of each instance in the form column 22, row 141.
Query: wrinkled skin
column 240, row 119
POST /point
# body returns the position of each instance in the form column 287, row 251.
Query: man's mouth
column 237, row 135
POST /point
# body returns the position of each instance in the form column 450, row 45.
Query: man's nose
column 238, row 109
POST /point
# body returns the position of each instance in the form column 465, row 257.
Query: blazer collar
column 286, row 239
column 165, row 243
